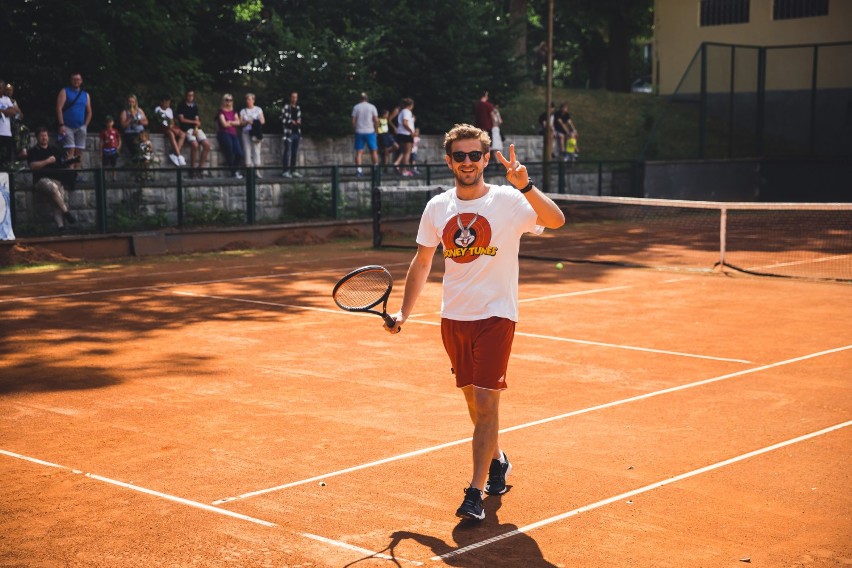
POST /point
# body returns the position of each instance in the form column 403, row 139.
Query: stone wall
column 317, row 152
column 152, row 195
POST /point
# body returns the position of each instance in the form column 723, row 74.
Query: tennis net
column 796, row 240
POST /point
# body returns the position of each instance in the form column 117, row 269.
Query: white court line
column 797, row 262
column 260, row 302
column 370, row 553
column 530, row 424
column 632, row 348
column 169, row 273
column 612, row 345
column 175, row 285
column 578, row 293
column 644, row 489
column 166, row 496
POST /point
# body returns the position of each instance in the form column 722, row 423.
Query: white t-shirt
column 167, row 112
column 365, row 114
column 480, row 239
column 5, row 121
column 405, row 115
column 250, row 114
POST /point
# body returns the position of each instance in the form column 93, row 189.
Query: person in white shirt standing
column 365, row 121
column 479, row 226
column 8, row 111
column 252, row 119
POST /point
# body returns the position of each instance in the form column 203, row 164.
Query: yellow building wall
column 678, row 35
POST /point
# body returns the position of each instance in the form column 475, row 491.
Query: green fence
column 737, row 101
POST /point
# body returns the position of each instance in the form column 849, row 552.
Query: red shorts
column 479, row 350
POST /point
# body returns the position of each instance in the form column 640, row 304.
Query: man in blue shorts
column 73, row 113
column 365, row 121
column 479, row 227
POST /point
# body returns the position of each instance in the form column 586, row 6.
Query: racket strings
column 363, row 290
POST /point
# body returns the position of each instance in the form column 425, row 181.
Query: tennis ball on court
column 322, row 483
column 559, row 266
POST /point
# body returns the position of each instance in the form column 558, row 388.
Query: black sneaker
column 69, row 218
column 471, row 507
column 497, row 474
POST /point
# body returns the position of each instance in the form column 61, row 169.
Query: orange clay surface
column 219, row 410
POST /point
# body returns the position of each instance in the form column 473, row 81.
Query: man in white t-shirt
column 365, row 121
column 175, row 136
column 479, row 227
column 8, row 110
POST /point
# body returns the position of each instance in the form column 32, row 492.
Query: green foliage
column 206, row 211
column 306, row 201
column 597, row 43
column 441, row 53
column 611, row 126
column 132, row 213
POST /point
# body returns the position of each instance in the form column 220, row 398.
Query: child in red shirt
column 110, row 145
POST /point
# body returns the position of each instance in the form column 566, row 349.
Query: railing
column 133, row 199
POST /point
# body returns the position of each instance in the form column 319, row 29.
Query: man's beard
column 475, row 181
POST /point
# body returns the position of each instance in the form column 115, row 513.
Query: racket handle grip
column 390, row 322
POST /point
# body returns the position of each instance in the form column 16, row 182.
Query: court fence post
column 100, row 201
column 335, row 190
column 251, row 195
column 376, row 202
column 702, row 108
column 600, row 178
column 179, row 196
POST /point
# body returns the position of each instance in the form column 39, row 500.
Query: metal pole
column 702, row 112
column 814, row 75
column 761, row 101
column 723, row 228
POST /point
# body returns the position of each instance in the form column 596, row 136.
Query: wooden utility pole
column 548, row 99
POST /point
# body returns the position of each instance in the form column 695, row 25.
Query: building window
column 721, row 12
column 790, row 9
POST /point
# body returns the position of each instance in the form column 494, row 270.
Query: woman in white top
column 252, row 140
column 405, row 137
column 496, row 136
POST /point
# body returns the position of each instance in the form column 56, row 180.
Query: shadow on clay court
column 40, row 376
column 517, row 550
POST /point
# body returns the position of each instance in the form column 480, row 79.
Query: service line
column 641, row 490
column 420, row 452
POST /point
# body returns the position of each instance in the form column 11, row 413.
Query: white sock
column 502, row 457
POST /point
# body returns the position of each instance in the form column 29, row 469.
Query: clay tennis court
column 219, row 410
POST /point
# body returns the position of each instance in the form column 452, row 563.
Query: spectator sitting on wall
column 49, row 176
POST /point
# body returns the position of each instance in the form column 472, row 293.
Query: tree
column 440, row 53
column 596, row 42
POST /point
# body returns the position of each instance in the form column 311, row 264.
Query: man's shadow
column 516, row 549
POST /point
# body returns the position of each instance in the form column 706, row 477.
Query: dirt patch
column 21, row 254
column 348, row 233
column 238, row 245
column 302, row 237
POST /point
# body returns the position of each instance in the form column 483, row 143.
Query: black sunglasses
column 474, row 156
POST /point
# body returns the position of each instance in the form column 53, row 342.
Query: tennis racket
column 364, row 289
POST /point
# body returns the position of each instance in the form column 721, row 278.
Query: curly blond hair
column 466, row 132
